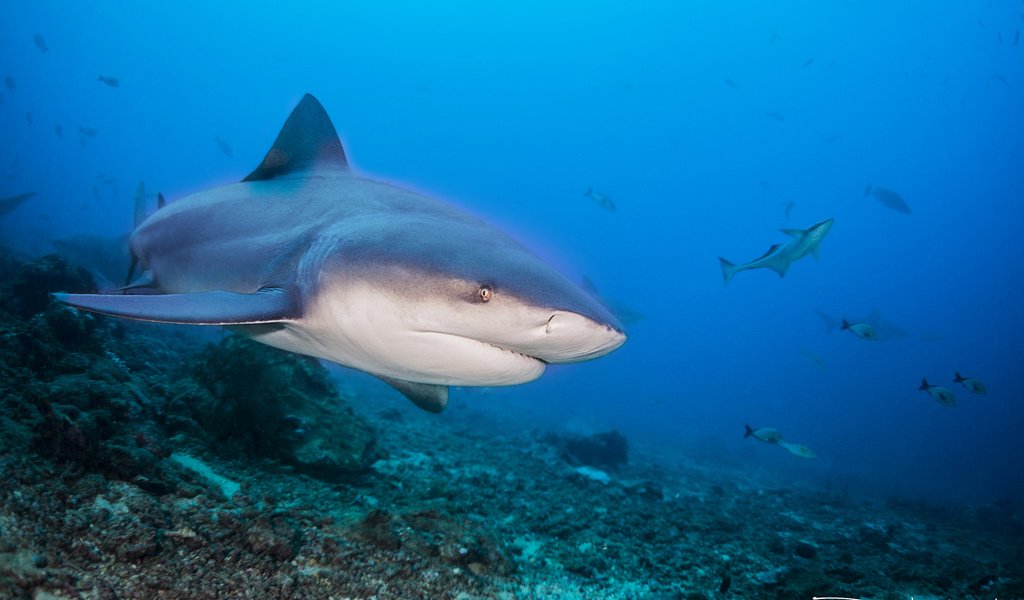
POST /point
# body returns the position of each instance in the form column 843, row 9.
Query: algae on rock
column 261, row 402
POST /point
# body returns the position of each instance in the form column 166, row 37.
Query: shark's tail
column 924, row 385
column 749, row 432
column 844, row 326
column 959, row 378
column 729, row 270
column 589, row 192
column 867, row 190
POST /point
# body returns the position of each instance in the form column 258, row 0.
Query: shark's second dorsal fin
column 768, row 253
column 307, row 140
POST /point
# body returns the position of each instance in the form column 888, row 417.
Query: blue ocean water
column 701, row 120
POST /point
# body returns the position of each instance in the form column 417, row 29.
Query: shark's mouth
column 512, row 351
column 453, row 359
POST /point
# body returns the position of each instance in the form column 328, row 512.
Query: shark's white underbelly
column 355, row 325
column 424, row 357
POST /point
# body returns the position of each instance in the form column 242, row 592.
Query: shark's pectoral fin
column 793, row 232
column 268, row 305
column 430, row 397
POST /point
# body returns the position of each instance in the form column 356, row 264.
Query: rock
column 18, row 568
column 805, row 550
column 602, row 450
column 31, row 288
column 593, row 474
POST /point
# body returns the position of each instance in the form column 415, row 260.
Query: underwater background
column 702, row 128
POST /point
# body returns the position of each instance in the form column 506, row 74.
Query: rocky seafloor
column 142, row 461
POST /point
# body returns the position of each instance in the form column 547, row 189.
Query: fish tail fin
column 844, row 326
column 867, row 190
column 958, row 378
column 749, row 432
column 589, row 192
column 924, row 385
column 729, row 270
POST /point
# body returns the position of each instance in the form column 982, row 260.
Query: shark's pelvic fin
column 430, row 397
column 308, row 140
column 268, row 305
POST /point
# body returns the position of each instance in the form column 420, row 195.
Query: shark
column 779, row 257
column 306, row 254
column 8, row 205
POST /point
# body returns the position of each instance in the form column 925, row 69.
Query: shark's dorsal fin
column 307, row 141
column 768, row 253
column 430, row 397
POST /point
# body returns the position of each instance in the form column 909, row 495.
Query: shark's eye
column 484, row 293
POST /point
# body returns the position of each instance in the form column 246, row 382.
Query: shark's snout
column 571, row 337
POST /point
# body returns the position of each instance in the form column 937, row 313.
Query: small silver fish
column 225, row 148
column 998, row 78
column 763, row 434
column 888, row 198
column 798, row 449
column 40, row 43
column 861, row 330
column 819, row 363
column 87, row 131
column 972, row 384
column 938, row 393
column 110, row 81
column 600, row 199
column 781, row 118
